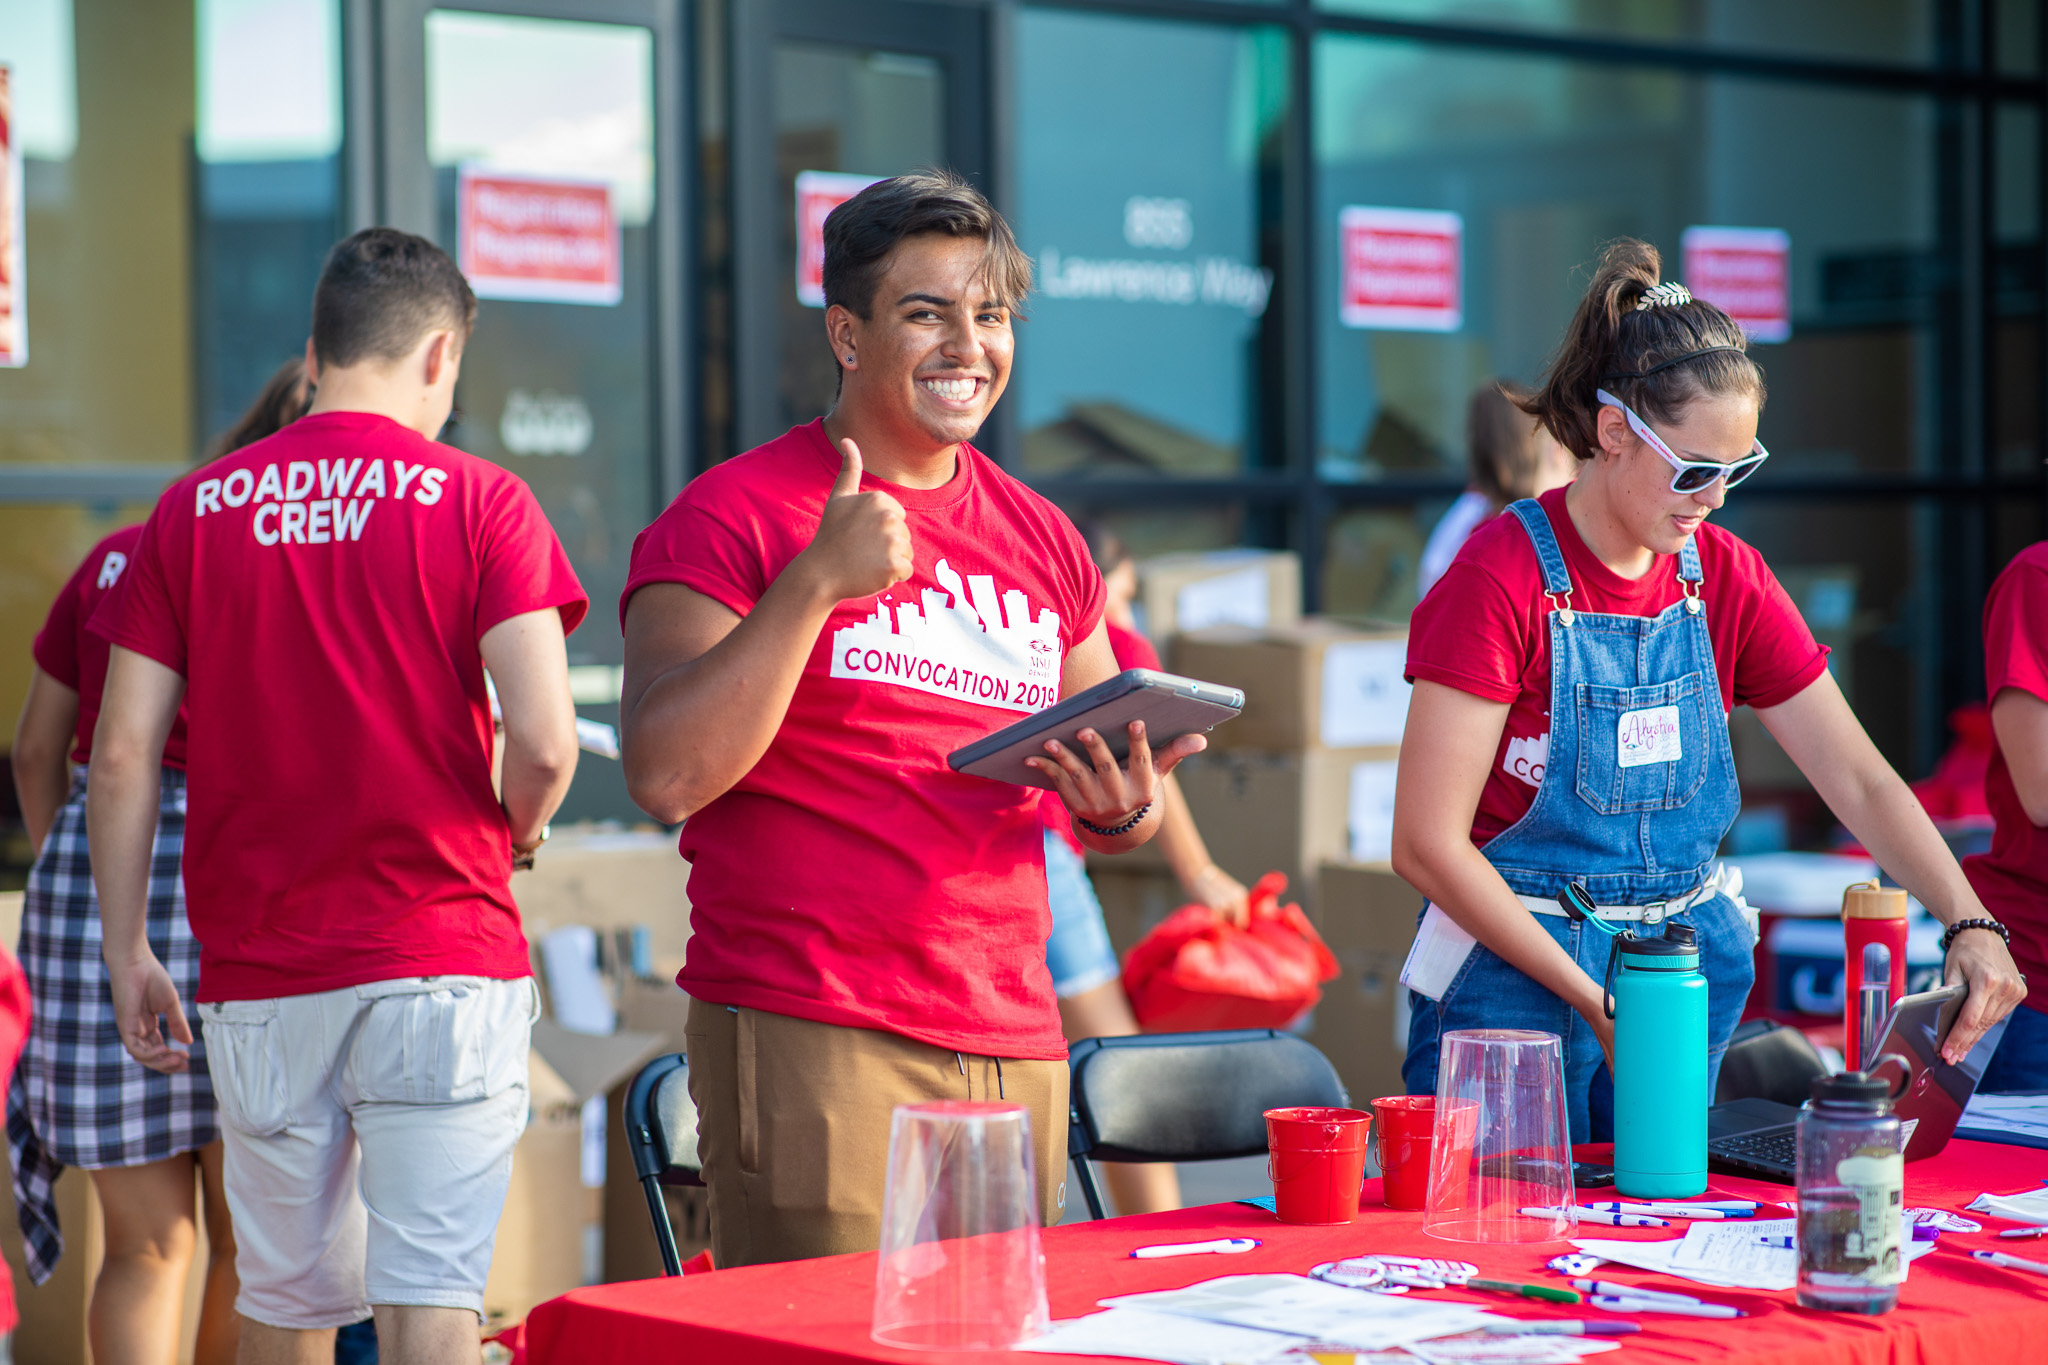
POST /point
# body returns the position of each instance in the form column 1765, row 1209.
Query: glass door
column 533, row 147
column 828, row 97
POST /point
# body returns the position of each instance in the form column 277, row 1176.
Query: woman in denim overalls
column 1639, row 785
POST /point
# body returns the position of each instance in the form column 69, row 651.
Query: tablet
column 1170, row 707
column 1928, row 1094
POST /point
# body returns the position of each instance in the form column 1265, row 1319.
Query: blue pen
column 1786, row 1243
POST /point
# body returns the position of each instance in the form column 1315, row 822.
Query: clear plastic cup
column 960, row 1267
column 1501, row 1156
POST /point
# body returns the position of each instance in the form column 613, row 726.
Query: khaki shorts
column 793, row 1125
column 369, row 1137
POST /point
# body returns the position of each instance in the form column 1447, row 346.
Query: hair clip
column 1669, row 294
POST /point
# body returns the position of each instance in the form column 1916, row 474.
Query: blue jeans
column 1488, row 993
column 1078, row 954
column 2021, row 1062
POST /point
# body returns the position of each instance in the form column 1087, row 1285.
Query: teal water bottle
column 1658, row 1002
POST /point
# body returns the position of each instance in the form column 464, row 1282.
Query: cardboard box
column 1134, row 899
column 1315, row 684
column 1278, row 812
column 608, row 879
column 550, row 1237
column 1260, row 589
column 1367, row 915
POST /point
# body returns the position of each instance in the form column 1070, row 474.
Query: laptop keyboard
column 1773, row 1148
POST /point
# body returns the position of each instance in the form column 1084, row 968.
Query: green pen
column 1528, row 1291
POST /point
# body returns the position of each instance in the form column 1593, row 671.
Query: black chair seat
column 661, row 1132
column 1186, row 1096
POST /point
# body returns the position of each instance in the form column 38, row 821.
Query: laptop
column 1755, row 1137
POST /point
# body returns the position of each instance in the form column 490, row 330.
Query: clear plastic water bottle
column 1852, row 1190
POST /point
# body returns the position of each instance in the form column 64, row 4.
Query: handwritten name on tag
column 1648, row 736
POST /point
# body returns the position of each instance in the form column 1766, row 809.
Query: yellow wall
column 108, row 267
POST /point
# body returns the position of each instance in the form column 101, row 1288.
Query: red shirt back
column 323, row 592
column 2012, row 878
column 76, row 657
column 1482, row 630
column 852, row 877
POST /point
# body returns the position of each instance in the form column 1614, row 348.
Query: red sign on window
column 817, row 194
column 1746, row 273
column 538, row 238
column 13, row 320
column 1403, row 269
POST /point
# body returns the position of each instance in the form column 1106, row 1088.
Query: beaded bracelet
column 1993, row 925
column 1137, row 818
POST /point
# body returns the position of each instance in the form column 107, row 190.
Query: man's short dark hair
column 380, row 292
column 861, row 235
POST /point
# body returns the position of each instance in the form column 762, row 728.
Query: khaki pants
column 793, row 1125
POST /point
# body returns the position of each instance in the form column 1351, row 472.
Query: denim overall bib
column 1638, row 790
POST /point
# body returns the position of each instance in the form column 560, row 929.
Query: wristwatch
column 522, row 854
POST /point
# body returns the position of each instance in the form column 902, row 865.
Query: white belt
column 1651, row 912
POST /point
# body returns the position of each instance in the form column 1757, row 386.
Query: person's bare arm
column 1180, row 843
column 1446, row 754
column 1822, row 736
column 529, row 662
column 42, row 754
column 2020, row 720
column 136, row 711
column 706, row 689
column 1094, row 786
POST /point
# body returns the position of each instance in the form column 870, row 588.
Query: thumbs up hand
column 862, row 545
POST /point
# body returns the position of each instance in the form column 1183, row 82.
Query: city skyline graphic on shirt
column 977, row 646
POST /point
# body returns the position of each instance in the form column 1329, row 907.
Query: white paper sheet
column 1143, row 1335
column 2028, row 1206
column 1238, row 598
column 1365, row 698
column 1510, row 1350
column 1728, row 1255
column 1298, row 1304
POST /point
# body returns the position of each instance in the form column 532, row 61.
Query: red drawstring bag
column 1198, row 971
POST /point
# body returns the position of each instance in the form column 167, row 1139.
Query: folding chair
column 661, row 1128
column 1186, row 1096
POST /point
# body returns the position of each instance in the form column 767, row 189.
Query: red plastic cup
column 1316, row 1158
column 1401, row 1134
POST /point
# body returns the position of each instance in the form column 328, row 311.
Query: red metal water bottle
column 1870, row 914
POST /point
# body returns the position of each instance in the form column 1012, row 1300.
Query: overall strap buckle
column 1565, row 615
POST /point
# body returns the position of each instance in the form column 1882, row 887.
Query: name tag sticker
column 1648, row 736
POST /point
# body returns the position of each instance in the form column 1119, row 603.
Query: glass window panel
column 859, row 112
column 1372, row 556
column 1147, row 156
column 1851, row 30
column 268, row 140
column 1544, row 160
column 561, row 393
column 2019, row 36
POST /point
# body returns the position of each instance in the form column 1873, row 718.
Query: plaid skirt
column 78, row 1098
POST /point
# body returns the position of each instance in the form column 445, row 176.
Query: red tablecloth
column 1952, row 1310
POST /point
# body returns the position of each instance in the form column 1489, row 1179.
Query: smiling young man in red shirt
column 810, row 629
column 327, row 601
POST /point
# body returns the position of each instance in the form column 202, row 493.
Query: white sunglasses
column 1689, row 476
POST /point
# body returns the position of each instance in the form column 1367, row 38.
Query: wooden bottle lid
column 1868, row 900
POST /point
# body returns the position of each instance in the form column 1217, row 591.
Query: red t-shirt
column 1483, row 629
column 323, row 592
column 852, row 877
column 76, row 657
column 2012, row 879
column 1132, row 650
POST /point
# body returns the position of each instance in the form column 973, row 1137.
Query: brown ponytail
column 1611, row 344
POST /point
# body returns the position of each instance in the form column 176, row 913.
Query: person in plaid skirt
column 78, row 1098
